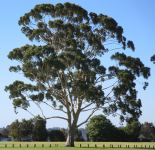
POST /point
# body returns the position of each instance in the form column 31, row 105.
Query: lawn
column 79, row 145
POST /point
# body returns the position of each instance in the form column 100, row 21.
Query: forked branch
column 88, row 117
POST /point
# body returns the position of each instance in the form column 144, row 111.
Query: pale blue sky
column 137, row 17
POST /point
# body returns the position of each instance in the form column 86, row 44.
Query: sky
column 137, row 17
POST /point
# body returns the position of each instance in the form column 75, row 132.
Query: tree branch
column 55, row 108
column 86, row 106
column 88, row 109
column 30, row 113
column 40, row 109
column 110, row 86
column 63, row 118
column 88, row 117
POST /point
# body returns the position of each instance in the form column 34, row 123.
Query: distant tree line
column 99, row 128
column 27, row 130
column 34, row 130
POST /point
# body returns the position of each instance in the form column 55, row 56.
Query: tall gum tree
column 66, row 68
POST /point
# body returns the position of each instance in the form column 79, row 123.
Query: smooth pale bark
column 71, row 135
column 70, row 138
column 72, row 127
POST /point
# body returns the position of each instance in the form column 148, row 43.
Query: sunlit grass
column 78, row 145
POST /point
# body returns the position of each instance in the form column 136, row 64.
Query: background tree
column 68, row 69
column 26, row 128
column 100, row 128
column 147, row 132
column 120, row 135
column 132, row 130
column 15, row 130
column 56, row 135
column 21, row 129
column 4, row 132
column 39, row 131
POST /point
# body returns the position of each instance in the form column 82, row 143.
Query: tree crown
column 66, row 70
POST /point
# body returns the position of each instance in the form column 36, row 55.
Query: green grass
column 78, row 145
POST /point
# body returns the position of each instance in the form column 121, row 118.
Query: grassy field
column 79, row 145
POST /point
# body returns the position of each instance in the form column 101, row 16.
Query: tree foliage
column 39, row 132
column 56, row 135
column 4, row 132
column 26, row 128
column 33, row 129
column 66, row 69
column 147, row 132
column 132, row 130
column 100, row 128
column 21, row 129
column 15, row 130
column 153, row 59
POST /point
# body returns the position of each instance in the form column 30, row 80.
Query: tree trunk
column 70, row 137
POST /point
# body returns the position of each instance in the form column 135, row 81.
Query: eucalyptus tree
column 68, row 69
